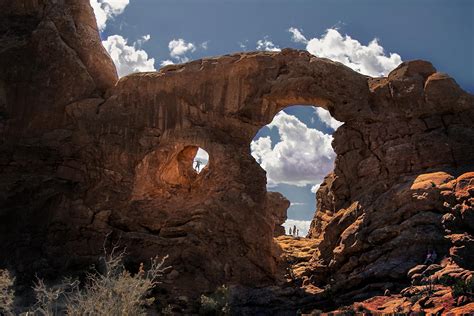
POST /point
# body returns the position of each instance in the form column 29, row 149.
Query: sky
column 370, row 36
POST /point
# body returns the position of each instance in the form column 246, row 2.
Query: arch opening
column 200, row 160
column 185, row 165
column 173, row 166
column 295, row 151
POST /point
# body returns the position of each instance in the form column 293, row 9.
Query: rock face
column 84, row 156
column 380, row 243
column 277, row 205
column 401, row 186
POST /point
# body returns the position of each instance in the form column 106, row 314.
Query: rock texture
column 436, row 288
column 277, row 205
column 408, row 179
column 84, row 156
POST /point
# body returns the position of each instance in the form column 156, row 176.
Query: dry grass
column 7, row 295
column 115, row 291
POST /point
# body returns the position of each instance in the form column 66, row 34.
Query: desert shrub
column 460, row 287
column 50, row 300
column 7, row 295
column 168, row 310
column 446, row 280
column 217, row 303
column 415, row 298
column 115, row 291
column 429, row 288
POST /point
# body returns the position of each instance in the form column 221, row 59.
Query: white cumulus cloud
column 297, row 36
column 367, row 59
column 128, row 58
column 107, row 9
column 327, row 119
column 302, row 156
column 302, row 226
column 267, row 45
column 179, row 48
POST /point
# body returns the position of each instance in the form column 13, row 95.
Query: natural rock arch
column 78, row 153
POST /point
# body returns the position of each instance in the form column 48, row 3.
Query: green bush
column 460, row 288
column 446, row 280
column 217, row 303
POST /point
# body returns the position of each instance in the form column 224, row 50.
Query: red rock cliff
column 84, row 155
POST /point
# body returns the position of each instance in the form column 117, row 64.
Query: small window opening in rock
column 201, row 160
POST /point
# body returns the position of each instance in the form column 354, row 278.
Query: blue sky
column 141, row 35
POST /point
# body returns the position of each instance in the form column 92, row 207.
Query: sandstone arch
column 75, row 151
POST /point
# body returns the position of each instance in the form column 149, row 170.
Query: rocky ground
column 438, row 288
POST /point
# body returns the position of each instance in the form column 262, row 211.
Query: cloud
column 297, row 203
column 107, row 9
column 179, row 48
column 302, row 156
column 267, row 45
column 128, row 58
column 315, row 188
column 303, row 226
column 204, row 45
column 243, row 44
column 166, row 62
column 296, row 35
column 325, row 117
column 142, row 40
column 367, row 59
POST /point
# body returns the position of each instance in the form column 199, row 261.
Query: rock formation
column 277, row 205
column 84, row 156
column 400, row 176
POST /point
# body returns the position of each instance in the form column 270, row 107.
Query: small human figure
column 297, row 233
column 428, row 258
column 431, row 257
column 290, row 231
column 198, row 165
column 294, row 230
